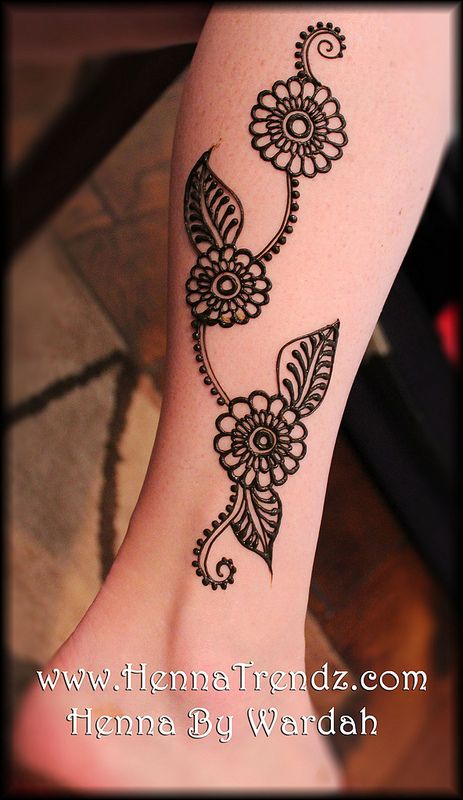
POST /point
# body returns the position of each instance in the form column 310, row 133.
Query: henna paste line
column 297, row 126
column 289, row 217
column 210, row 379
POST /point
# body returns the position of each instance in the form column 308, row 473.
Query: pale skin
column 354, row 226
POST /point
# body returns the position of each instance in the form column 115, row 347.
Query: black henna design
column 261, row 439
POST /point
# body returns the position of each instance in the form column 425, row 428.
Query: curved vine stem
column 215, row 577
column 284, row 225
column 329, row 44
column 202, row 356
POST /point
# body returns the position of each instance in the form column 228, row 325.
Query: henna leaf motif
column 258, row 521
column 213, row 213
column 304, row 368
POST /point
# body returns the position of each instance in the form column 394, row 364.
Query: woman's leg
column 351, row 226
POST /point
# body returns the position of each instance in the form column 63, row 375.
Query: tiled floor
column 87, row 343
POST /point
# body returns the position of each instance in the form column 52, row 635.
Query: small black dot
column 221, row 401
column 295, row 181
column 298, row 64
column 319, row 24
column 213, row 586
column 343, row 47
column 275, row 249
column 303, row 35
column 338, row 30
column 292, row 218
column 301, row 74
column 194, row 323
column 298, row 45
column 282, row 240
column 329, row 25
column 197, row 347
column 194, row 564
column 268, row 257
column 205, row 581
column 294, row 206
column 342, row 37
column 296, row 194
column 203, row 369
column 223, row 585
column 199, row 358
column 222, row 516
column 199, row 572
column 310, row 28
column 207, row 381
column 215, row 524
column 289, row 229
column 206, row 533
column 214, row 391
column 196, row 335
column 231, row 579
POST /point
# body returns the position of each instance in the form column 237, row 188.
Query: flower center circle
column 262, row 440
column 226, row 285
column 299, row 125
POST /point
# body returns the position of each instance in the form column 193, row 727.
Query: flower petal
column 278, row 475
column 289, row 416
column 331, row 151
column 259, row 401
column 308, row 90
column 294, row 87
column 264, row 479
column 283, row 158
column 308, row 167
column 280, row 90
column 223, row 443
column 225, row 423
column 250, row 477
column 240, row 407
column 330, row 106
column 298, row 450
column 298, row 432
column 337, row 137
column 322, row 94
column 266, row 99
column 290, row 465
column 230, row 460
column 258, row 127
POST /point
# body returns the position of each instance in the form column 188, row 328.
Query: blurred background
column 93, row 95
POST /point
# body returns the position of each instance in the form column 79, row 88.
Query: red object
column 447, row 323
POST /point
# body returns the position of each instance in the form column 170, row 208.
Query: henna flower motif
column 261, row 440
column 297, row 126
column 227, row 286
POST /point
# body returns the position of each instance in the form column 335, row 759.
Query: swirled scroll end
column 329, row 44
column 224, row 572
